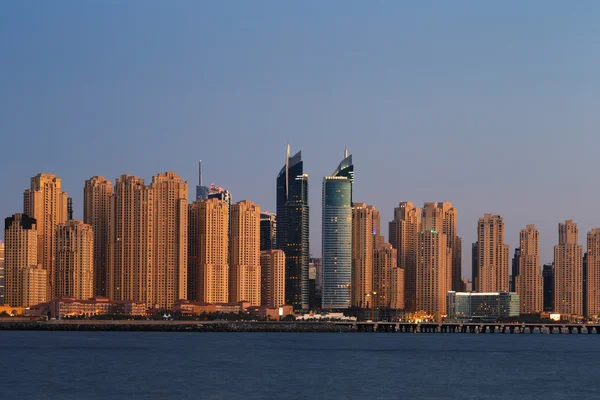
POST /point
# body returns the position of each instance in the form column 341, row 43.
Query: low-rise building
column 70, row 307
column 482, row 306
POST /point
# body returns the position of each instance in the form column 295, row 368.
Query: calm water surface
column 121, row 365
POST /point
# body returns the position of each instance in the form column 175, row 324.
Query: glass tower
column 268, row 227
column 292, row 229
column 337, row 236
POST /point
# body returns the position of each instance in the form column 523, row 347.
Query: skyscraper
column 74, row 260
column 516, row 262
column 568, row 274
column 449, row 217
column 593, row 273
column 404, row 237
column 548, row 277
column 272, row 265
column 365, row 224
column 492, row 256
column 337, row 236
column 97, row 194
column 268, row 231
column 129, row 251
column 1, row 272
column 244, row 269
column 201, row 191
column 47, row 204
column 168, row 240
column 528, row 281
column 388, row 279
column 292, row 228
column 209, row 274
column 21, row 254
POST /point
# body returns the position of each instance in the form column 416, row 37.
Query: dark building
column 69, row 208
column 292, row 229
column 474, row 265
column 201, row 191
column 268, row 231
column 548, row 277
column 515, row 269
column 584, row 280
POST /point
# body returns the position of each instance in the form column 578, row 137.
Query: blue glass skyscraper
column 337, row 236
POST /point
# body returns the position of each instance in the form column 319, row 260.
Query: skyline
column 423, row 115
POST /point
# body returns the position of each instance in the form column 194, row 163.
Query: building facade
column 388, row 279
column 482, row 306
column 74, row 260
column 244, row 270
column 592, row 281
column 491, row 270
column 365, row 226
column 97, row 194
column 548, row 279
column 568, row 270
column 272, row 264
column 268, row 231
column 45, row 202
column 293, row 229
column 1, row 273
column 529, row 283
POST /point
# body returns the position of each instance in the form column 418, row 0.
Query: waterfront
column 132, row 365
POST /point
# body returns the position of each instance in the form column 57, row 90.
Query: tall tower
column 337, row 236
column 74, row 260
column 450, row 217
column 244, row 269
column 492, row 256
column 201, row 190
column 1, row 272
column 129, row 252
column 209, row 274
column 365, row 225
column 593, row 273
column 404, row 237
column 97, row 194
column 21, row 254
column 388, row 279
column 528, row 281
column 292, row 229
column 272, row 266
column 47, row 204
column 568, row 270
column 168, row 242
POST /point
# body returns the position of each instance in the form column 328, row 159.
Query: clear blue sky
column 491, row 105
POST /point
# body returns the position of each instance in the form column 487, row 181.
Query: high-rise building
column 244, row 268
column 97, row 194
column 528, row 280
column 1, row 272
column 449, row 217
column 129, row 251
column 45, row 202
column 209, row 254
column 388, row 279
column 432, row 272
column 201, row 191
column 292, row 229
column 169, row 241
column 316, row 265
column 74, row 260
column 568, row 274
column 404, row 233
column 337, row 236
column 592, row 281
column 474, row 266
column 34, row 285
column 365, row 225
column 268, row 231
column 516, row 262
column 492, row 256
column 272, row 264
column 21, row 254
column 548, row 278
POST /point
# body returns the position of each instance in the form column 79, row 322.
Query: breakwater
column 175, row 326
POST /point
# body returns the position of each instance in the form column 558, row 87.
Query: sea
column 147, row 365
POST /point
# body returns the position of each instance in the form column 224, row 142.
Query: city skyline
column 476, row 102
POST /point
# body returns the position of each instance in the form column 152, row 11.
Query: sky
column 490, row 105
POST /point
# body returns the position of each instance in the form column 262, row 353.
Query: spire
column 200, row 173
column 346, row 152
column 287, row 170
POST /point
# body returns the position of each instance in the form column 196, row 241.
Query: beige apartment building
column 404, row 233
column 97, row 194
column 592, row 280
column 168, row 240
column 449, row 216
column 209, row 258
column 129, row 256
column 21, row 284
column 491, row 270
column 365, row 226
column 568, row 270
column 388, row 279
column 432, row 273
column 74, row 260
column 45, row 202
column 244, row 270
column 272, row 267
column 529, row 281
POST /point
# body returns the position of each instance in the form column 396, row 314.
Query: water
column 121, row 365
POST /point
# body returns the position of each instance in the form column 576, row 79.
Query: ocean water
column 139, row 365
